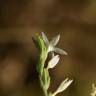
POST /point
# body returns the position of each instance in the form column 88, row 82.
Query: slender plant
column 45, row 47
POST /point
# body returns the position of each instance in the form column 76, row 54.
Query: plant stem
column 42, row 62
column 43, row 88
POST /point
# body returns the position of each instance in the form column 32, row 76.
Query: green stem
column 42, row 62
column 43, row 88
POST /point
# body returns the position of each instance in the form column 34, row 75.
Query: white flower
column 51, row 45
column 93, row 90
column 63, row 86
column 53, row 62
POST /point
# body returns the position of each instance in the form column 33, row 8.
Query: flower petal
column 53, row 62
column 60, row 51
column 55, row 40
column 64, row 85
column 45, row 38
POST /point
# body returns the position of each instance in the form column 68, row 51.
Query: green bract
column 42, row 53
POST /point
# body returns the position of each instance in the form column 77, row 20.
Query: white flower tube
column 53, row 62
column 63, row 86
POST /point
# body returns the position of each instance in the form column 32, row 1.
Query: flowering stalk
column 45, row 47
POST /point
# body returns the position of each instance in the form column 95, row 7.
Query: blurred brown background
column 74, row 20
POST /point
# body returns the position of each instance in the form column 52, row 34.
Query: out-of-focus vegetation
column 74, row 20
